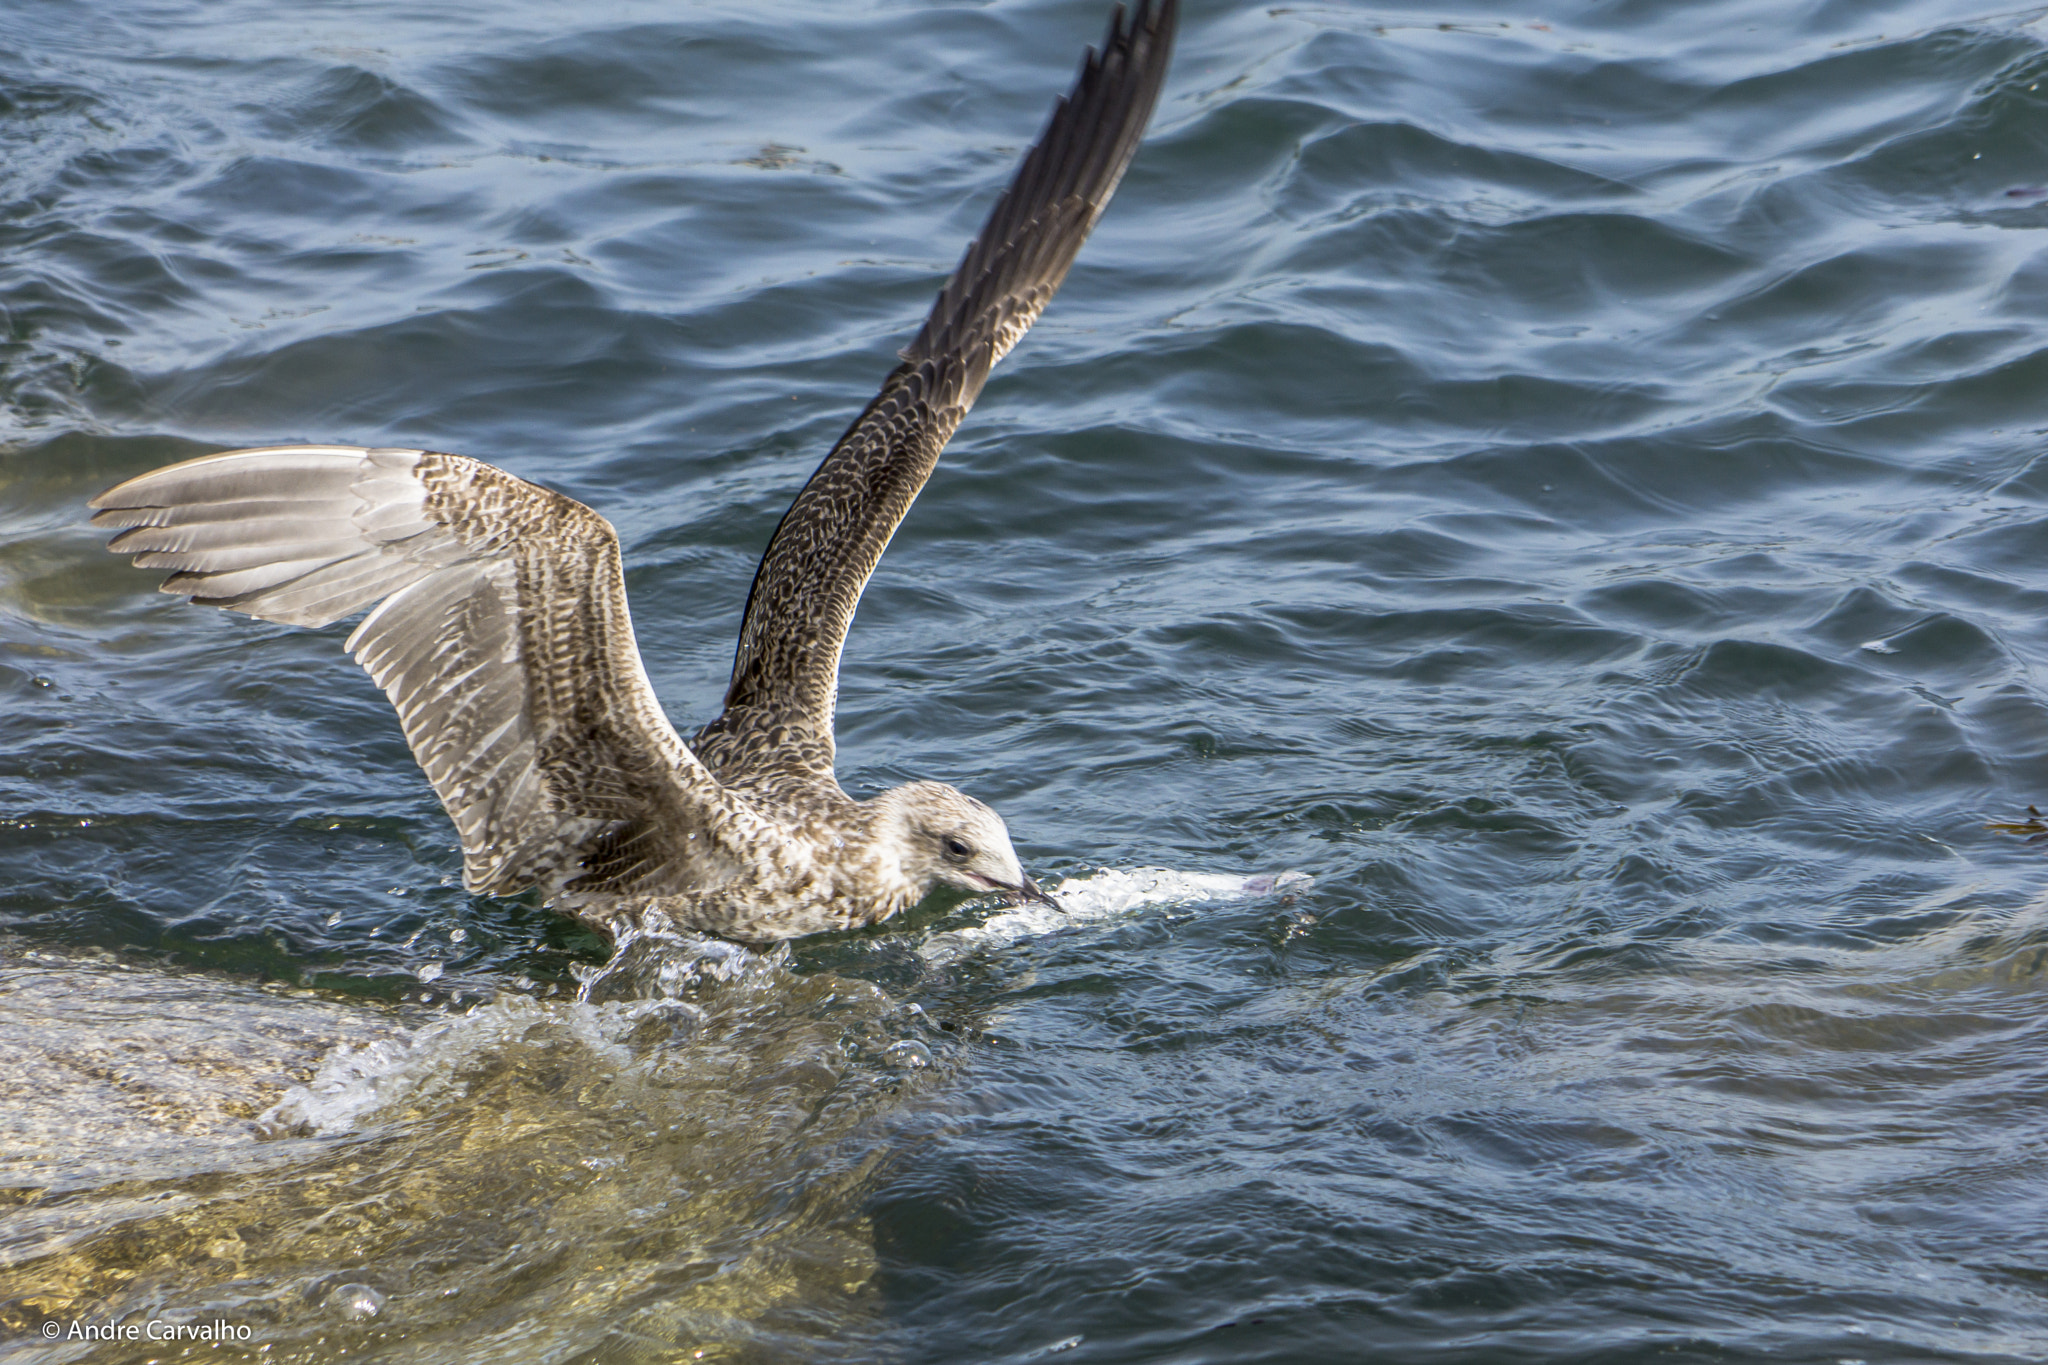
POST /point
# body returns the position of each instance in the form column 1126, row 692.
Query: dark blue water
column 1569, row 481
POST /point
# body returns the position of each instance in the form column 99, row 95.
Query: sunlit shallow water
column 1567, row 484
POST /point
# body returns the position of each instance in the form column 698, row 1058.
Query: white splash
column 350, row 1082
column 1107, row 893
column 635, row 996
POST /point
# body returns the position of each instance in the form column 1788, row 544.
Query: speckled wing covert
column 502, row 638
column 785, row 675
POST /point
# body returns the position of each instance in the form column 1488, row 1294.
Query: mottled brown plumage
column 501, row 635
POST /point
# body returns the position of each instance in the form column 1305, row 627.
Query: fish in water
column 498, row 623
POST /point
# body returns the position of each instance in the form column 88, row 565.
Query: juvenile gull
column 500, row 629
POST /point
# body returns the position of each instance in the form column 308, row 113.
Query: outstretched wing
column 502, row 638
column 786, row 672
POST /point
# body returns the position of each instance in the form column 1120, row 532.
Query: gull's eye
column 957, row 848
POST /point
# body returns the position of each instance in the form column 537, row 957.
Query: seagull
column 498, row 625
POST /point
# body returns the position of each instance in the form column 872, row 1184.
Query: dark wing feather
column 785, row 676
column 502, row 638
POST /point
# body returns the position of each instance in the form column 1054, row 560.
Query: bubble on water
column 458, row 935
column 909, row 1054
column 334, row 919
column 356, row 1302
column 429, row 971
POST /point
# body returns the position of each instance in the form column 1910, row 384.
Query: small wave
column 623, row 1014
column 1107, row 893
column 354, row 1083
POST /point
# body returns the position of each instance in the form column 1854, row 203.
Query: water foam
column 634, row 1001
column 1103, row 895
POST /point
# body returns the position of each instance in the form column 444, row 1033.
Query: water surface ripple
column 1570, row 481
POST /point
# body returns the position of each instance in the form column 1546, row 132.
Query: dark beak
column 1029, row 892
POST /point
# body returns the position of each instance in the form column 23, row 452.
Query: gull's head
column 946, row 837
